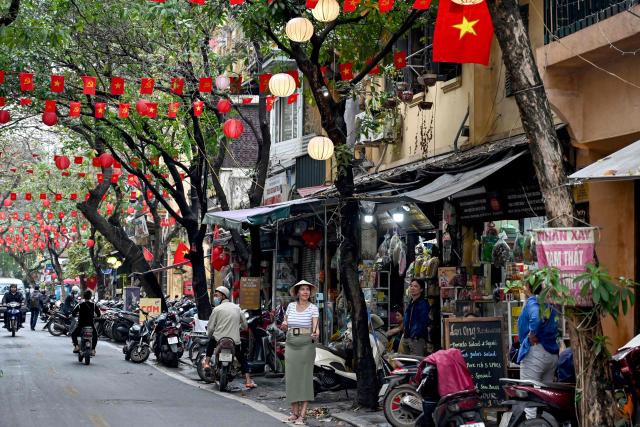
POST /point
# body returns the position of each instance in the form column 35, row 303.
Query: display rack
column 377, row 298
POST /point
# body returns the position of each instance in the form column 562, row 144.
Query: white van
column 6, row 282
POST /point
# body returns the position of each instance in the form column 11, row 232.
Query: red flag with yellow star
column 350, row 5
column 100, row 107
column 117, row 86
column 198, row 106
column 421, row 4
column 57, row 83
column 88, row 85
column 173, row 110
column 400, row 59
column 385, row 6
column 177, row 85
column 181, row 252
column 206, row 84
column 146, row 86
column 152, row 111
column 463, row 34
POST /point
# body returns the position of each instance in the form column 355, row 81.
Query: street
column 42, row 384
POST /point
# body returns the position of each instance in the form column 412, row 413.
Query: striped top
column 297, row 319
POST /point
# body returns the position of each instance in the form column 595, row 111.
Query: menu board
column 250, row 292
column 481, row 340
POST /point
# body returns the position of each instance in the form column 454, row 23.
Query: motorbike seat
column 538, row 384
column 561, row 386
column 337, row 352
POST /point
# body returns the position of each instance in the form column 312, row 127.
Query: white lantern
column 326, row 10
column 282, row 84
column 222, row 82
column 467, row 2
column 320, row 148
column 299, row 29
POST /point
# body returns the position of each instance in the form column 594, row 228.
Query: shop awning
column 255, row 216
column 449, row 184
column 622, row 165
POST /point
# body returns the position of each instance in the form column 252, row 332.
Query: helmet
column 75, row 290
column 223, row 290
column 36, row 287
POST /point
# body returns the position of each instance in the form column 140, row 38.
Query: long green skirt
column 299, row 355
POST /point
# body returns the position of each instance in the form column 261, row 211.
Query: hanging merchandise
column 393, row 247
column 383, row 258
column 518, row 247
column 529, row 249
column 501, row 253
column 402, row 262
column 475, row 252
column 446, row 247
column 489, row 240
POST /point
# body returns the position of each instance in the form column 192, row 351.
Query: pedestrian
column 415, row 323
column 36, row 306
column 537, row 333
column 301, row 324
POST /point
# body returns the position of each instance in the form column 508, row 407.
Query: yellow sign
column 153, row 306
column 250, row 292
column 581, row 193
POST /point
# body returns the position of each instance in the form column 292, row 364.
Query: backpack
column 35, row 300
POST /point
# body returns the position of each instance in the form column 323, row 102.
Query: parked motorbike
column 168, row 346
column 138, row 345
column 86, row 337
column 120, row 326
column 223, row 358
column 14, row 318
column 265, row 344
column 625, row 372
column 59, row 324
column 399, row 384
column 554, row 403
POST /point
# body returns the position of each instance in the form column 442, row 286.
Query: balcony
column 565, row 17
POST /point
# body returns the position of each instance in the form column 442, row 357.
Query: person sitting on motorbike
column 70, row 301
column 11, row 296
column 227, row 320
column 87, row 311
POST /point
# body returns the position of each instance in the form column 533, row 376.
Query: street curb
column 349, row 419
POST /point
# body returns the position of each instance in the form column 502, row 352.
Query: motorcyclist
column 11, row 296
column 86, row 312
column 70, row 301
column 227, row 320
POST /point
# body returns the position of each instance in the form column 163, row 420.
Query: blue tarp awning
column 254, row 216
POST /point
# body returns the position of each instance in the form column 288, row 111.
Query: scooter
column 59, row 324
column 168, row 346
column 137, row 347
column 86, row 338
column 14, row 318
column 554, row 403
column 625, row 372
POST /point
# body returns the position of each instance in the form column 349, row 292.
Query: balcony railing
column 565, row 17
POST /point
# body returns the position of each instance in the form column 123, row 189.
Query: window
column 286, row 120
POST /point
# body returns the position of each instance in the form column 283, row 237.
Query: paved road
column 42, row 384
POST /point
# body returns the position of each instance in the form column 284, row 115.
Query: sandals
column 251, row 385
column 291, row 418
column 300, row 421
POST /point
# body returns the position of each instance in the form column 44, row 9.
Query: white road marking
column 260, row 407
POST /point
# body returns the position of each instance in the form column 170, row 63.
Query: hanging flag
column 400, row 59
column 247, row 100
column 13, row 196
column 421, row 4
column 117, row 86
column 177, row 85
column 236, row 2
column 100, row 108
column 49, row 106
column 385, row 6
column 270, row 100
column 235, row 83
column 73, row 196
column 58, row 197
column 295, row 75
column 310, row 4
column 200, row 2
column 375, row 70
column 181, row 252
column 146, row 86
column 148, row 256
column 198, row 106
column 292, row 98
column 114, row 178
column 78, row 160
column 88, row 85
column 74, row 109
column 206, row 84
column 463, row 34
column 350, row 5
column 27, row 196
column 173, row 110
column 100, row 177
column 2, row 101
column 26, row 81
column 152, row 110
column 57, row 83
column 1, row 77
column 82, row 174
column 264, row 82
column 123, row 110
column 43, row 196
column 25, row 101
column 346, row 71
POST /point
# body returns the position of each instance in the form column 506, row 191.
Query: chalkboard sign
column 481, row 341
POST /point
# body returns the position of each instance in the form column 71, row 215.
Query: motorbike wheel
column 395, row 414
column 53, row 331
column 87, row 358
column 194, row 350
column 224, row 378
column 127, row 355
column 13, row 332
column 202, row 373
column 275, row 364
column 80, row 357
column 536, row 422
column 139, row 354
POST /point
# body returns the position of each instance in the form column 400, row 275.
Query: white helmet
column 75, row 290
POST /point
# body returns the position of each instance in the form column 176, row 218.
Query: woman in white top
column 301, row 321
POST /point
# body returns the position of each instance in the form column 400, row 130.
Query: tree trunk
column 196, row 235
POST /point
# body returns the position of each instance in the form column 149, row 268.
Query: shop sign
column 131, row 298
column 250, row 292
column 273, row 187
column 569, row 249
column 153, row 306
column 187, row 288
column 520, row 202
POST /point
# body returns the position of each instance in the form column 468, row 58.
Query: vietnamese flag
column 49, row 106
column 146, row 86
column 350, row 5
column 400, row 59
column 27, row 196
column 385, row 6
column 235, row 2
column 247, row 100
column 57, row 83
column 201, row 2
column 148, row 256
column 74, row 109
column 117, row 86
column 296, row 77
column 264, row 81
column 152, row 111
column 292, row 98
column 463, row 34
column 1, row 77
column 198, row 106
column 123, row 110
column 206, row 84
column 177, row 85
column 100, row 108
column 421, row 4
column 310, row 4
column 26, row 81
column 173, row 110
column 73, row 196
column 270, row 100
column 181, row 252
column 346, row 71
column 89, row 85
column 25, row 101
column 375, row 70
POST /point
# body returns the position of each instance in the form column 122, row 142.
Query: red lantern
column 233, row 128
column 90, row 243
column 7, row 202
column 5, row 116
column 49, row 118
column 142, row 108
column 312, row 238
column 62, row 162
column 224, row 106
column 46, row 203
column 106, row 160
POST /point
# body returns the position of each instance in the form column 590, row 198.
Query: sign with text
column 568, row 249
column 250, row 292
column 480, row 339
column 153, row 306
